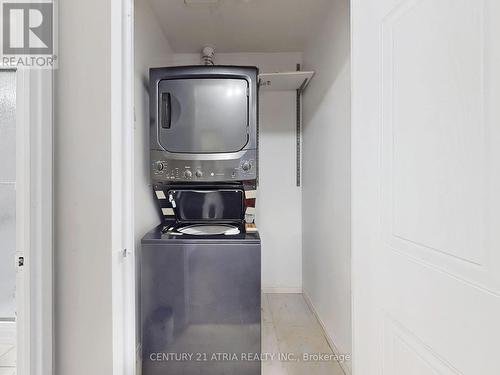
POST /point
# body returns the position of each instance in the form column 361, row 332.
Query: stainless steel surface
column 199, row 298
column 232, row 169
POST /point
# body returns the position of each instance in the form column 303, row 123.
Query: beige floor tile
column 266, row 311
column 269, row 339
column 274, row 368
column 307, row 368
column 291, row 310
column 298, row 331
column 301, row 340
column 270, row 348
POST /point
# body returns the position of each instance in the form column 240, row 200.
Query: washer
column 200, row 303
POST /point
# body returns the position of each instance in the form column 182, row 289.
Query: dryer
column 204, row 124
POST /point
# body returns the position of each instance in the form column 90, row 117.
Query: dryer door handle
column 166, row 110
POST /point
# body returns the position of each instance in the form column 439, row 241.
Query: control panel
column 165, row 169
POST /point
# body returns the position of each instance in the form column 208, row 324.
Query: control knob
column 159, row 166
column 188, row 173
column 199, row 173
column 246, row 166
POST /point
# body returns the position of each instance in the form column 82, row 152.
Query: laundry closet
column 302, row 188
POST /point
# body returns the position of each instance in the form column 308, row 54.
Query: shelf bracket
column 298, row 129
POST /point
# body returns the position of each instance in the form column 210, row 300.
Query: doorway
column 8, row 225
column 302, row 201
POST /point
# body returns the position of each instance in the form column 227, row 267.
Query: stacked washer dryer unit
column 200, row 269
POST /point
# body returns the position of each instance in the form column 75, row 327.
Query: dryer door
column 203, row 115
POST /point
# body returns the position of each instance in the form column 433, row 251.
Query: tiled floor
column 289, row 326
column 7, row 359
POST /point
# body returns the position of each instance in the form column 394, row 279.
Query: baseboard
column 346, row 366
column 8, row 332
column 284, row 290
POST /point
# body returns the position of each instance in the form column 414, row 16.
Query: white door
column 426, row 187
column 25, row 222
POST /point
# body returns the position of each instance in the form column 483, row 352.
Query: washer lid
column 221, row 205
column 209, row 229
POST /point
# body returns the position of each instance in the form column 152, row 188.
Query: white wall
column 279, row 207
column 82, row 196
column 326, row 191
column 151, row 50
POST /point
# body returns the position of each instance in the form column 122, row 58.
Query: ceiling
column 239, row 25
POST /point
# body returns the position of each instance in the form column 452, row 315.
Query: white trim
column 281, row 290
column 23, row 230
column 346, row 366
column 123, row 251
column 34, row 141
column 41, row 215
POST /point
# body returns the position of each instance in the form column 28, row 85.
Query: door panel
column 426, row 212
column 434, row 126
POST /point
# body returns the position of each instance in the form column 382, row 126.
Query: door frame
column 34, row 228
column 125, row 350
